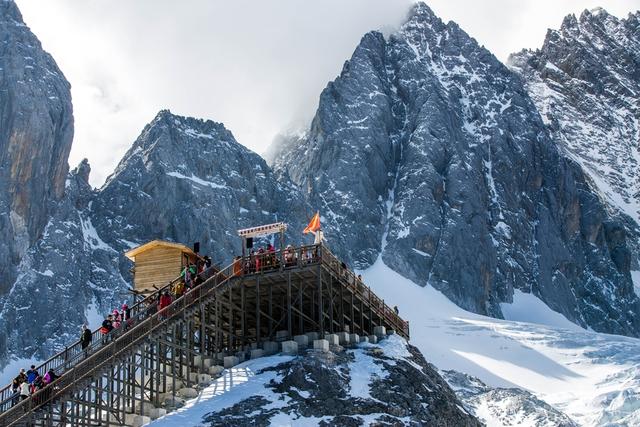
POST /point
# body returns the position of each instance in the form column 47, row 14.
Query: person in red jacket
column 165, row 301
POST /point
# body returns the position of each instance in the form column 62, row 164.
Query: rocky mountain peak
column 421, row 14
column 426, row 139
column 82, row 170
column 36, row 130
column 10, row 14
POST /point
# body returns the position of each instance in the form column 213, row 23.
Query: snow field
column 592, row 377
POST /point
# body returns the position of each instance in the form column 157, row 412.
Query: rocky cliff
column 428, row 151
column 585, row 80
column 36, row 129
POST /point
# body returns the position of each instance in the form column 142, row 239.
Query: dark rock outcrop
column 427, row 143
column 351, row 388
column 36, row 129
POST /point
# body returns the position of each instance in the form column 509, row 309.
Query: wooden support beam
column 289, row 319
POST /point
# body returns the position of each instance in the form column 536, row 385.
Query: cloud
column 256, row 66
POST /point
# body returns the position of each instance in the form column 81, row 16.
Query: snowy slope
column 387, row 383
column 591, row 377
column 585, row 82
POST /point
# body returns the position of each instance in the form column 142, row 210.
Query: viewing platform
column 260, row 304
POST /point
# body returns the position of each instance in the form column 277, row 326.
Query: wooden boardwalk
column 144, row 364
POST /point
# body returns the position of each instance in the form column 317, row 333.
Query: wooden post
column 289, row 324
column 330, row 304
column 258, row 310
column 320, row 306
column 271, row 311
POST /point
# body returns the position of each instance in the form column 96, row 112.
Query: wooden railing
column 353, row 282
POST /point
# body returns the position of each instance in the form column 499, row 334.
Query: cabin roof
column 156, row 244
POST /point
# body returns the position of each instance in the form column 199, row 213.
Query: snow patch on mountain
column 529, row 308
column 593, row 378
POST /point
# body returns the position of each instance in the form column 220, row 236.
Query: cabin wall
column 157, row 266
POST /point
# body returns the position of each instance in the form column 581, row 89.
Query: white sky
column 256, row 66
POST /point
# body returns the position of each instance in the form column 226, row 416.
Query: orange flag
column 314, row 224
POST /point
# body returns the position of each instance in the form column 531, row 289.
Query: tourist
column 85, row 337
column 32, row 374
column 106, row 328
column 24, row 390
column 165, row 301
column 237, row 265
column 22, row 376
column 126, row 312
column 116, row 318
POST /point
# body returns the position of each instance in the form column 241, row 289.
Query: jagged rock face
column 185, row 180
column 366, row 386
column 504, row 406
column 36, row 129
column 585, row 80
column 427, row 143
column 189, row 180
column 57, row 280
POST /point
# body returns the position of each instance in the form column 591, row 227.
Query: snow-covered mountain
column 585, row 80
column 440, row 173
column 427, row 143
column 536, row 354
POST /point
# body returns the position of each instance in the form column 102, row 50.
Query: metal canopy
column 262, row 230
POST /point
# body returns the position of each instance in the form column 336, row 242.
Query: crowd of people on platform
column 266, row 258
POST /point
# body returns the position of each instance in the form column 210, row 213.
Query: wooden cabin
column 157, row 263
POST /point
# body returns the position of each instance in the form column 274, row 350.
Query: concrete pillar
column 391, row 332
column 257, row 353
column 216, row 370
column 270, row 347
column 134, row 420
column 302, row 340
column 156, row 413
column 343, row 337
column 373, row 339
column 354, row 338
column 204, row 379
column 333, row 339
column 380, row 331
column 364, row 339
column 321, row 345
column 231, row 361
column 290, row 347
column 187, row 393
